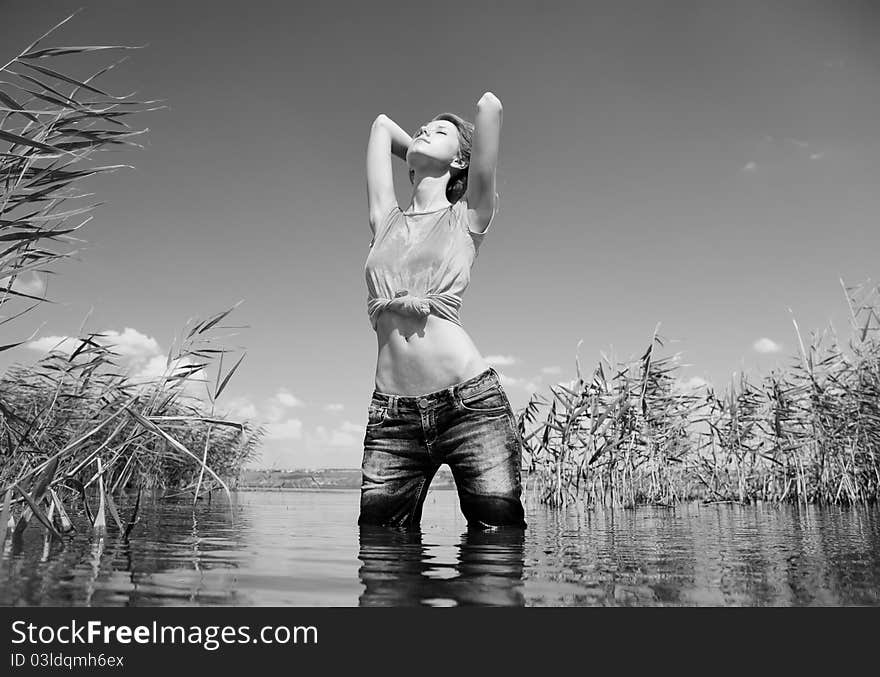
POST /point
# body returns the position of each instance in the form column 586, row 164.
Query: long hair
column 458, row 178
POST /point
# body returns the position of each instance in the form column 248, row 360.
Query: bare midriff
column 419, row 355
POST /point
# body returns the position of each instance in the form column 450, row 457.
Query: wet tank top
column 421, row 263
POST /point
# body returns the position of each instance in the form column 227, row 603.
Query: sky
column 705, row 165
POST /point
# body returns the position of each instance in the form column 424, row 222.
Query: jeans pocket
column 490, row 401
column 376, row 415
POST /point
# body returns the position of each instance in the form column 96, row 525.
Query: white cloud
column 287, row 399
column 501, row 360
column 750, row 167
column 290, row 444
column 241, row 408
column 551, row 370
column 138, row 354
column 130, row 343
column 33, row 285
column 524, row 383
column 766, row 345
column 358, row 428
column 135, row 347
column 780, row 150
column 273, row 412
column 334, row 407
column 693, row 383
column 195, row 384
column 344, row 436
column 63, row 344
column 275, row 408
column 154, row 368
column 291, row 429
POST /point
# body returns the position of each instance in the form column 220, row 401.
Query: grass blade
column 61, row 51
column 100, row 523
column 228, row 376
column 37, row 512
column 134, row 516
column 64, row 523
column 4, row 516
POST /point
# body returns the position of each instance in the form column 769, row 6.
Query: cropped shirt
column 421, row 263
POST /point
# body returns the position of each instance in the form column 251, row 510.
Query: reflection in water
column 722, row 555
column 398, row 569
column 305, row 548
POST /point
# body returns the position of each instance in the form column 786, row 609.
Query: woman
column 436, row 400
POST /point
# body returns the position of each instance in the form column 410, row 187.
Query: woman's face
column 435, row 142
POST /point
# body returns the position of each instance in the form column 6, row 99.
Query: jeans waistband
column 475, row 385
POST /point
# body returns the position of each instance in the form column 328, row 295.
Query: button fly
column 423, row 403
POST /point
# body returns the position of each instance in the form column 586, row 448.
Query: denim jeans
column 470, row 426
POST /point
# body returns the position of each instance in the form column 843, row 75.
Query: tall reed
column 78, row 423
column 631, row 434
column 76, row 430
column 51, row 127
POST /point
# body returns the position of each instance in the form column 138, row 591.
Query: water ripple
column 304, row 548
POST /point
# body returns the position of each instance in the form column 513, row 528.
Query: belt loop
column 392, row 405
column 451, row 391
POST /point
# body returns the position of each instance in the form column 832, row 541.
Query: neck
column 429, row 193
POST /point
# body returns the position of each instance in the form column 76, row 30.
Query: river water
column 304, row 548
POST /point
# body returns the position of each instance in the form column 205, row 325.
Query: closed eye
column 435, row 131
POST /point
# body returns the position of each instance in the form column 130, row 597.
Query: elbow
column 380, row 120
column 489, row 101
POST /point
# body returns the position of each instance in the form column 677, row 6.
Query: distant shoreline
column 321, row 479
column 320, row 490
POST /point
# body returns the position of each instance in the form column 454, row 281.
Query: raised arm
column 481, row 193
column 386, row 138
